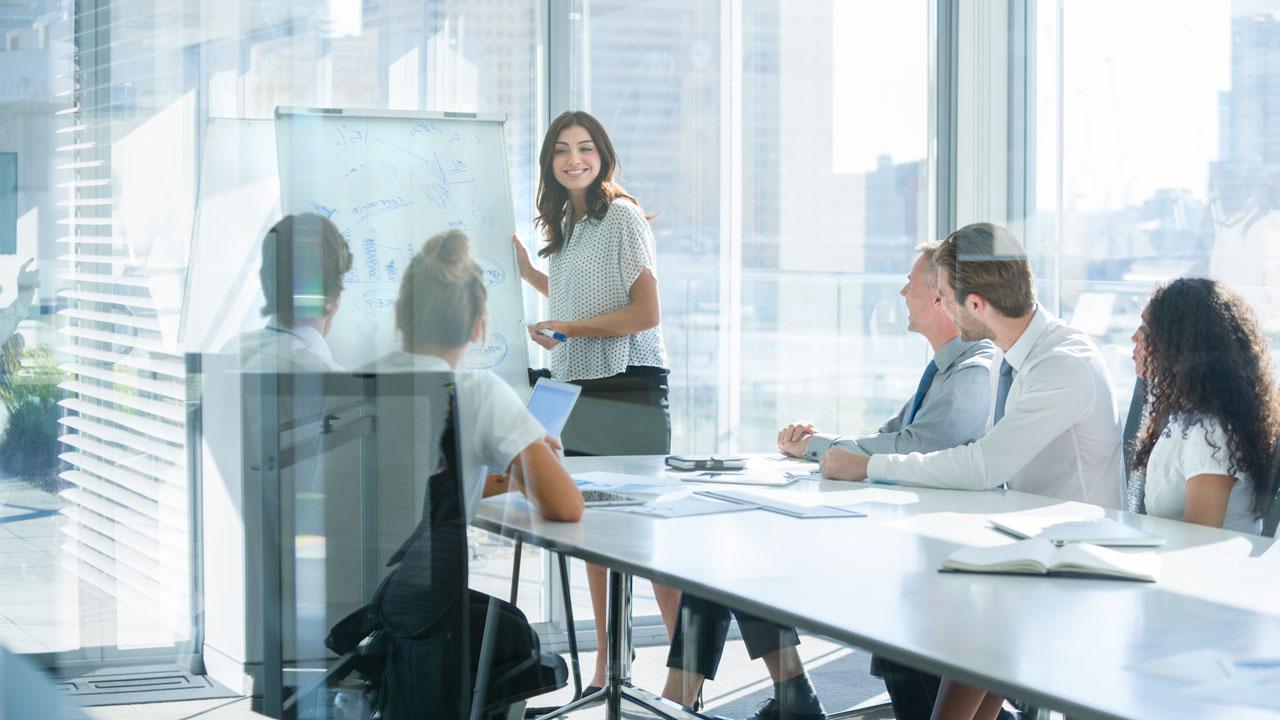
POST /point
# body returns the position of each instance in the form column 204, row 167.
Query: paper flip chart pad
column 389, row 181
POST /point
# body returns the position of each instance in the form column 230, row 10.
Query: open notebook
column 1041, row 557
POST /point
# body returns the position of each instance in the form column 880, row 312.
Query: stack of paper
column 678, row 507
column 792, row 506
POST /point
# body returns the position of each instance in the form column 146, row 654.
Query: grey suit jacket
column 954, row 411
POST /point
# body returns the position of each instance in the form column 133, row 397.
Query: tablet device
column 551, row 403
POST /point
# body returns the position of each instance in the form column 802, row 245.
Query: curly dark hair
column 1207, row 359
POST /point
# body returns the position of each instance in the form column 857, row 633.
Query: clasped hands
column 836, row 464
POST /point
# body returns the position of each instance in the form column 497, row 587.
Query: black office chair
column 1135, row 495
column 1272, row 519
column 420, row 645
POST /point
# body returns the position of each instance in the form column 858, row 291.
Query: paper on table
column 846, row 498
column 1199, row 666
column 1189, row 667
column 685, row 506
column 969, row 529
column 782, row 506
column 1100, row 531
column 621, row 482
column 1259, row 688
column 1067, row 510
column 1216, row 573
column 835, row 499
column 1216, row 676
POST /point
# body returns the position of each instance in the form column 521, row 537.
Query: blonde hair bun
column 441, row 295
column 449, row 253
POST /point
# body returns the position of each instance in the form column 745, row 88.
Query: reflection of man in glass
column 1246, row 248
column 303, row 260
column 14, row 312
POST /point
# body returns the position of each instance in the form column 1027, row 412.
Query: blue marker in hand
column 558, row 336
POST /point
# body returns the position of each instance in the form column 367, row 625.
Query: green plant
column 30, row 393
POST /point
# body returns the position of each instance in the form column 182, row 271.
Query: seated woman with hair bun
column 439, row 313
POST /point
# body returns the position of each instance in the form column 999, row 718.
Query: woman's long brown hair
column 553, row 198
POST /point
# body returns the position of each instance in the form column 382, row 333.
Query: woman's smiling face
column 575, row 161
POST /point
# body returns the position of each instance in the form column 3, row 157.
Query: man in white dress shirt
column 1054, row 429
column 303, row 260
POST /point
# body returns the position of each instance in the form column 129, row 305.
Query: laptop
column 551, row 403
column 1065, row 530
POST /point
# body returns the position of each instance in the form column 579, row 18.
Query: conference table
column 1069, row 644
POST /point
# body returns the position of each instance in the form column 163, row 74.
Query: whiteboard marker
column 559, row 336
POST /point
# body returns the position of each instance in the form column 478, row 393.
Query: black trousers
column 702, row 627
column 625, row 414
column 912, row 692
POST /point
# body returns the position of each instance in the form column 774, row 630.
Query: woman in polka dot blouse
column 602, row 294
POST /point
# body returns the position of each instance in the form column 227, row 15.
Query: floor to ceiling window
column 1157, row 156
column 785, row 150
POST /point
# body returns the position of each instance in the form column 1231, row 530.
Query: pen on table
column 1257, row 664
column 546, row 332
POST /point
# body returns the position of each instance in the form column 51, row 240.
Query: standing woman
column 602, row 294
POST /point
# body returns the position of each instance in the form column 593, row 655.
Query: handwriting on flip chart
column 487, row 355
column 390, row 182
column 437, row 188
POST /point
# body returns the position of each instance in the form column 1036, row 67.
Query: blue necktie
column 1002, row 388
column 925, row 381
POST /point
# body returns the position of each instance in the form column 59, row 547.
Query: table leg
column 619, row 639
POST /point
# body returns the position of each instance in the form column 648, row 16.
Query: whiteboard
column 389, row 181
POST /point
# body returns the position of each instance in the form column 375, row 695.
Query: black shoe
column 771, row 710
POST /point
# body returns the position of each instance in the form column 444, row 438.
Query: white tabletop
column 1065, row 643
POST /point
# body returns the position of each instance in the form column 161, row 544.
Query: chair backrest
column 423, row 606
column 1135, row 492
column 1272, row 519
column 417, row 443
column 370, row 462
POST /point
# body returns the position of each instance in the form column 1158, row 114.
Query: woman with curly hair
column 1213, row 410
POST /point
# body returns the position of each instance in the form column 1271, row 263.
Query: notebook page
column 1097, row 560
column 1025, row 556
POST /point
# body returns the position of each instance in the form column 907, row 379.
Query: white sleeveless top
column 592, row 275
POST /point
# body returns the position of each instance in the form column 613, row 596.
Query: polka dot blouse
column 592, row 275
